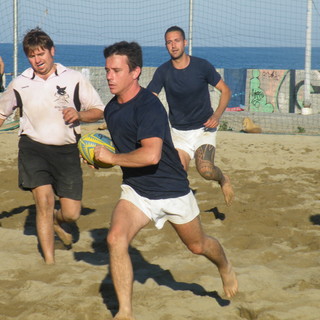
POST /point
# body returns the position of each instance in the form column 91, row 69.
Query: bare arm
column 225, row 96
column 2, row 121
column 148, row 154
column 71, row 115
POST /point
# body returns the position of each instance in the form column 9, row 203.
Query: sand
column 271, row 234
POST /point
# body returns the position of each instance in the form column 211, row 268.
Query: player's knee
column 110, row 239
column 71, row 215
column 206, row 173
column 196, row 248
column 116, row 240
column 75, row 216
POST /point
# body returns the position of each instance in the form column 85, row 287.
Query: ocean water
column 228, row 58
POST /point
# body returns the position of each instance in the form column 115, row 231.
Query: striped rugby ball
column 86, row 146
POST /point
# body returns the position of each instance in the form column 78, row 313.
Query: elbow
column 99, row 115
column 96, row 115
column 154, row 159
column 228, row 92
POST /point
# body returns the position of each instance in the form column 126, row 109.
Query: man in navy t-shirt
column 194, row 124
column 155, row 185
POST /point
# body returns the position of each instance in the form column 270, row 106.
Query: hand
column 212, row 122
column 102, row 154
column 70, row 115
column 82, row 159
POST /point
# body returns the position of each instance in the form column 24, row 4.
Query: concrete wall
column 272, row 98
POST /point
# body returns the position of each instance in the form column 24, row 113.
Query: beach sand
column 271, row 234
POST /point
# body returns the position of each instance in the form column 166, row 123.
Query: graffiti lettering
column 256, row 96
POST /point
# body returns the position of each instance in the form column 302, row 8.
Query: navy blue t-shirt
column 187, row 92
column 140, row 118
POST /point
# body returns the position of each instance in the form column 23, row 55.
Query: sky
column 214, row 23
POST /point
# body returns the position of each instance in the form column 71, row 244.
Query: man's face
column 118, row 75
column 41, row 60
column 175, row 44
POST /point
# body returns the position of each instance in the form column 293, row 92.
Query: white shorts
column 190, row 140
column 176, row 210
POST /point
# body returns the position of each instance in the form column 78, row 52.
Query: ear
column 136, row 73
column 53, row 51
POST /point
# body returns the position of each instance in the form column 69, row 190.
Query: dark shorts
column 40, row 164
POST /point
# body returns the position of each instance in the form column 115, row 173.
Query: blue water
column 229, row 58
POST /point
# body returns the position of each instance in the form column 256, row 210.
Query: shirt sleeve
column 213, row 76
column 156, row 84
column 88, row 95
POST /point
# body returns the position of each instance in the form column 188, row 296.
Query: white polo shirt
column 42, row 101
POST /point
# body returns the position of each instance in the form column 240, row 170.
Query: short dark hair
column 132, row 50
column 176, row 28
column 36, row 38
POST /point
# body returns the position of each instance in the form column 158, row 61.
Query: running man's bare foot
column 64, row 236
column 230, row 282
column 227, row 190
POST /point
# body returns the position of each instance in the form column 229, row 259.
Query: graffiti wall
column 280, row 90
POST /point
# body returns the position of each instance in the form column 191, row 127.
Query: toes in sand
column 230, row 282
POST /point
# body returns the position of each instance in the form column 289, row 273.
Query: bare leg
column 126, row 222
column 204, row 158
column 199, row 243
column 184, row 158
column 44, row 200
column 69, row 212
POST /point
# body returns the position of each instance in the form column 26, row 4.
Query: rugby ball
column 87, row 143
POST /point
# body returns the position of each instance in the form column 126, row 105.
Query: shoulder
column 149, row 112
column 200, row 62
column 73, row 78
column 65, row 71
column 204, row 67
column 28, row 73
column 149, row 101
column 148, row 97
column 165, row 66
column 24, row 79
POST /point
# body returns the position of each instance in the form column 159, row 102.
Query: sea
column 226, row 57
